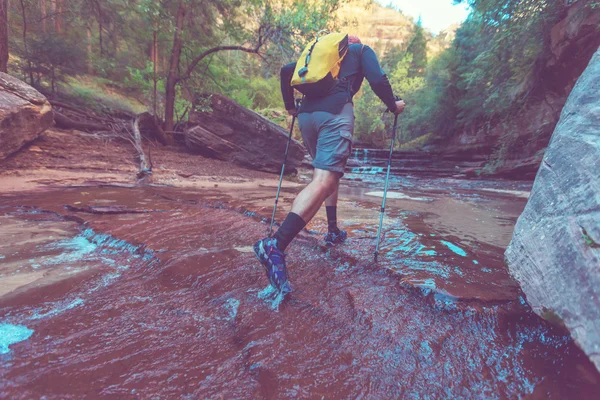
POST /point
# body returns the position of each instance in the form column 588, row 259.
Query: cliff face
column 516, row 151
column 374, row 24
column 384, row 27
column 555, row 250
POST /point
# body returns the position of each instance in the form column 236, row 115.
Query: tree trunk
column 3, row 35
column 99, row 19
column 53, row 11
column 25, row 42
column 89, row 49
column 58, row 21
column 151, row 51
column 43, row 14
column 114, row 39
column 172, row 76
column 155, row 68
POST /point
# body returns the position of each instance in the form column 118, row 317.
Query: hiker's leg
column 323, row 185
column 306, row 205
column 333, row 149
column 331, row 210
column 328, row 139
column 332, row 200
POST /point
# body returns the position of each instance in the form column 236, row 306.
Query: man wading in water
column 327, row 125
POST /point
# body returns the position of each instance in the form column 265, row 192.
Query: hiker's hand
column 292, row 111
column 400, row 104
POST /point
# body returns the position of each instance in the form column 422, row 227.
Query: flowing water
column 155, row 293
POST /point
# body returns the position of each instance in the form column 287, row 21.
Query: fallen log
column 64, row 122
column 79, row 111
column 233, row 133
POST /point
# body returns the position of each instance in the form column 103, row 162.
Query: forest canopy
column 162, row 55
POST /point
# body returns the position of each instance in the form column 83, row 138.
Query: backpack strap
column 304, row 70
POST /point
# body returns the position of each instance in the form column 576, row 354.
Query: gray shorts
column 328, row 137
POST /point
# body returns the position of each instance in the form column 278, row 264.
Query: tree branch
column 208, row 52
column 264, row 33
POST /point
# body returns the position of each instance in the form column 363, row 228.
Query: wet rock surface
column 171, row 302
column 233, row 133
column 24, row 114
column 555, row 251
column 122, row 292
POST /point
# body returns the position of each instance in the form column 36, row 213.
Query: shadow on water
column 169, row 301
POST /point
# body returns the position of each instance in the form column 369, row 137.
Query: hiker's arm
column 287, row 91
column 377, row 78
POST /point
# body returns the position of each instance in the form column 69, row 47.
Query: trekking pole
column 287, row 147
column 387, row 177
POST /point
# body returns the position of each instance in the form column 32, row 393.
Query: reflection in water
column 454, row 248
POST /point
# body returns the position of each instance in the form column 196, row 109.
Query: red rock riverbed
column 145, row 292
column 122, row 292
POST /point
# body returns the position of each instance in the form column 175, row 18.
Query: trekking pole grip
column 396, row 98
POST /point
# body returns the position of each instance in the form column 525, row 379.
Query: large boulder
column 555, row 249
column 24, row 114
column 233, row 133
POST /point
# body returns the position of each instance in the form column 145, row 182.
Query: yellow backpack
column 319, row 65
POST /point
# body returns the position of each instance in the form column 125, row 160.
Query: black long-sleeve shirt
column 360, row 62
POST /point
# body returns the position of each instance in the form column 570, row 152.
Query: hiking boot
column 273, row 260
column 333, row 238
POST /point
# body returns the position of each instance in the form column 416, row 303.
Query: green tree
column 54, row 58
column 489, row 73
column 418, row 49
column 372, row 126
column 274, row 24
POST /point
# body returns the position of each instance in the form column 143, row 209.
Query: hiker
column 327, row 124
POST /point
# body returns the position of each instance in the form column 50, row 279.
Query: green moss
column 552, row 317
column 588, row 240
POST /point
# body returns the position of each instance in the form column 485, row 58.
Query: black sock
column 332, row 219
column 292, row 225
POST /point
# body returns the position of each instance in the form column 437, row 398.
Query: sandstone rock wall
column 555, row 250
column 24, row 114
column 573, row 42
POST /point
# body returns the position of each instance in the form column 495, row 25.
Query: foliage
column 418, row 49
column 127, row 47
column 372, row 125
column 498, row 50
column 53, row 58
column 488, row 74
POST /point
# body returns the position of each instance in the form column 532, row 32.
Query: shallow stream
column 155, row 293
